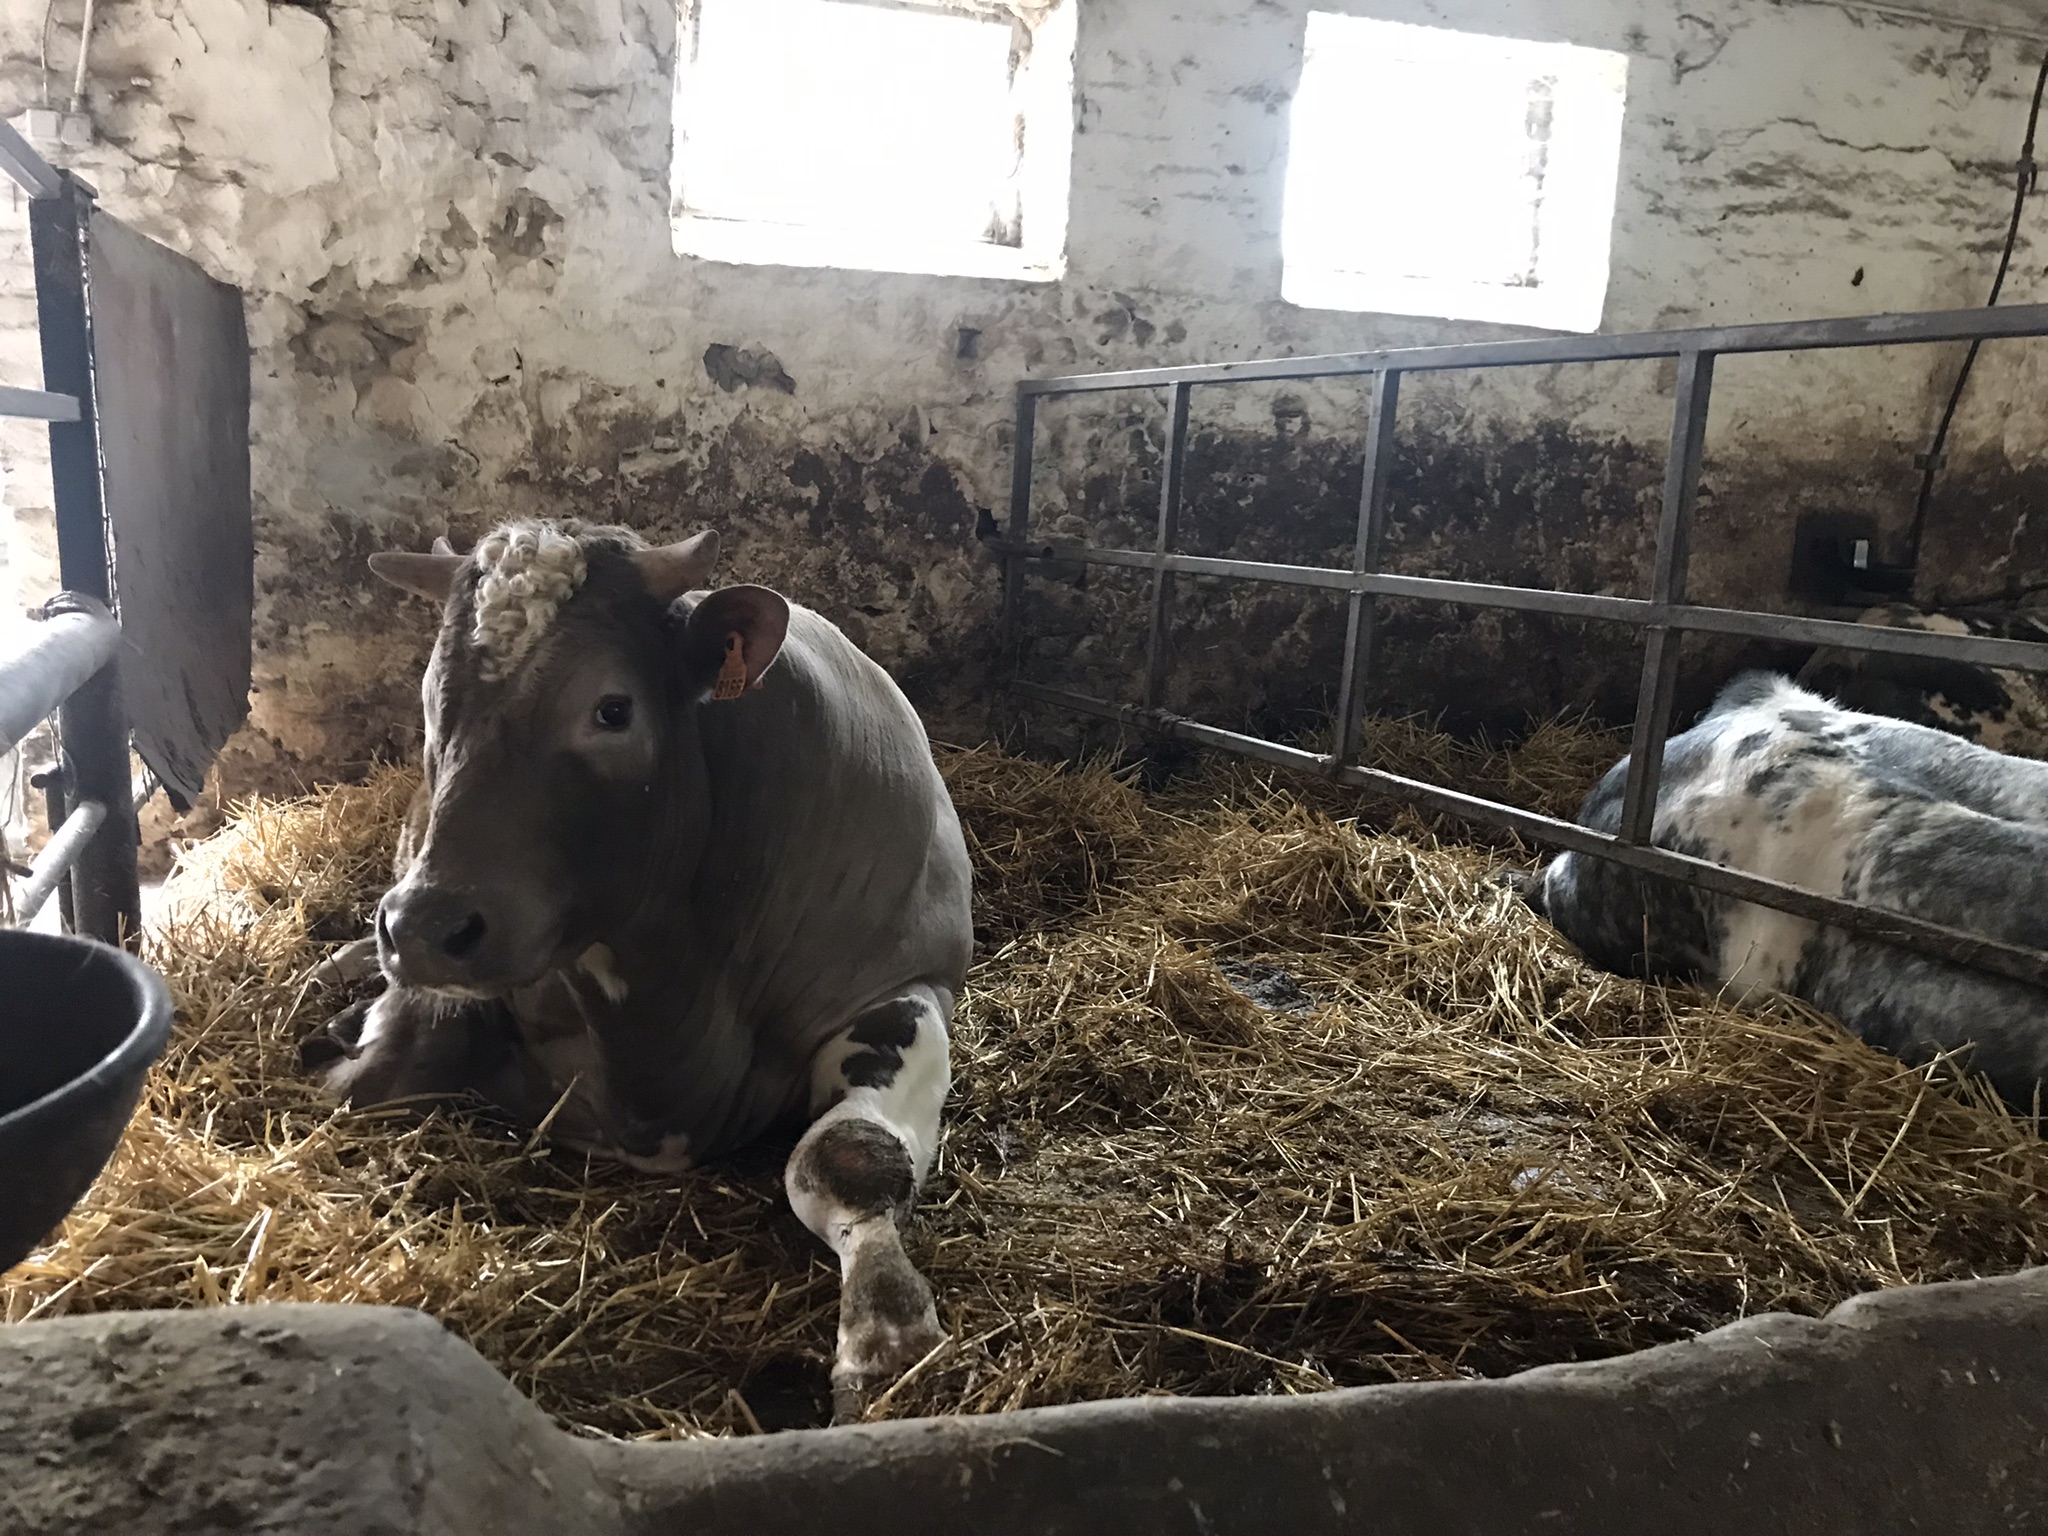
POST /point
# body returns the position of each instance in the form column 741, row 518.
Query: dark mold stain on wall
column 886, row 539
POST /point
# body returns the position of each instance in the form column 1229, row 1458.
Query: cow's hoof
column 875, row 1360
column 353, row 962
column 341, row 1040
column 887, row 1323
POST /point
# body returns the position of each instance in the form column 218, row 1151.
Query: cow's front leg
column 423, row 1047
column 876, row 1089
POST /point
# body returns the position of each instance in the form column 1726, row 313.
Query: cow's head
column 561, row 742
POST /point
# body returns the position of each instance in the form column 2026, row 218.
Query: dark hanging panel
column 171, row 380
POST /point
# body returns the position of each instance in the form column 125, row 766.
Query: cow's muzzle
column 448, row 939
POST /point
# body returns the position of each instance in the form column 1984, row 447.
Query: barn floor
column 1249, row 1099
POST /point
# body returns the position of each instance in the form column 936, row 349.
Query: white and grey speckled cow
column 682, row 872
column 1786, row 784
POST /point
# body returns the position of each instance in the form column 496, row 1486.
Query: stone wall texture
column 451, row 220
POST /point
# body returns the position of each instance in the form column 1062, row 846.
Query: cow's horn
column 674, row 569
column 442, row 546
column 428, row 576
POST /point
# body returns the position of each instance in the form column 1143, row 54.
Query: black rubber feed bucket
column 80, row 1022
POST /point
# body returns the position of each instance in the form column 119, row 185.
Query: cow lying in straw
column 681, row 873
column 1783, row 783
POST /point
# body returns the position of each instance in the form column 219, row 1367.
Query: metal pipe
column 1976, row 650
column 37, row 404
column 55, row 861
column 84, row 49
column 2010, row 960
column 1659, row 685
column 1779, row 336
column 51, row 660
column 52, row 782
column 1159, row 638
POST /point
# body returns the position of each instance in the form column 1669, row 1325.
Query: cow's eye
column 614, row 712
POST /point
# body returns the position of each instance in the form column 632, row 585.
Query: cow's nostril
column 384, row 929
column 465, row 938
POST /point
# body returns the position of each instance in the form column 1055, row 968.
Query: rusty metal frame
column 1664, row 617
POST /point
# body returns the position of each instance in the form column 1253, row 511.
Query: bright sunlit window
column 834, row 133
column 1446, row 173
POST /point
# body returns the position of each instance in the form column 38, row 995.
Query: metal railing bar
column 1360, row 610
column 2010, row 960
column 1192, row 565
column 1781, row 336
column 30, row 171
column 55, row 861
column 52, row 660
column 1659, row 685
column 1173, row 469
column 1976, row 650
column 37, row 404
column 1656, row 694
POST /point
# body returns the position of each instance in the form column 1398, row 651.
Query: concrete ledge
column 1919, row 1409
column 306, row 1419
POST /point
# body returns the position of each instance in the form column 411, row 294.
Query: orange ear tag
column 732, row 672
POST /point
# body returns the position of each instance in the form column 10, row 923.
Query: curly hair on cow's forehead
column 525, row 571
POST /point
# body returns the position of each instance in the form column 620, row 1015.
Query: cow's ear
column 429, row 576
column 734, row 636
column 674, row 569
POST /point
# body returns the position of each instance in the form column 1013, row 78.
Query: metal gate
column 146, row 374
column 1665, row 616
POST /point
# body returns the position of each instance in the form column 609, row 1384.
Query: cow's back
column 828, row 804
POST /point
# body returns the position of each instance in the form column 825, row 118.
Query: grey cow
column 1783, row 783
column 681, row 873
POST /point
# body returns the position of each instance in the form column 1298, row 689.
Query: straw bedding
column 1251, row 1098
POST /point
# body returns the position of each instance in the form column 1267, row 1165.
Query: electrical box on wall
column 1835, row 560
column 47, row 127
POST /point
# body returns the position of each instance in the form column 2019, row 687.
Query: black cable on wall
column 1930, row 466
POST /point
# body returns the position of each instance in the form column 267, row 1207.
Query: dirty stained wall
column 451, row 221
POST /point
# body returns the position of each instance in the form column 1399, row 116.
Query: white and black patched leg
column 876, row 1091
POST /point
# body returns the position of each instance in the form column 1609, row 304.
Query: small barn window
column 1446, row 173
column 876, row 134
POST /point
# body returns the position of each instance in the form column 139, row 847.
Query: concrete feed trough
column 80, row 1023
column 1915, row 1409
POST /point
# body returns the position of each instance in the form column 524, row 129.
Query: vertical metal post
column 1674, row 548
column 106, row 900
column 1159, row 641
column 1365, row 558
column 1010, row 630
